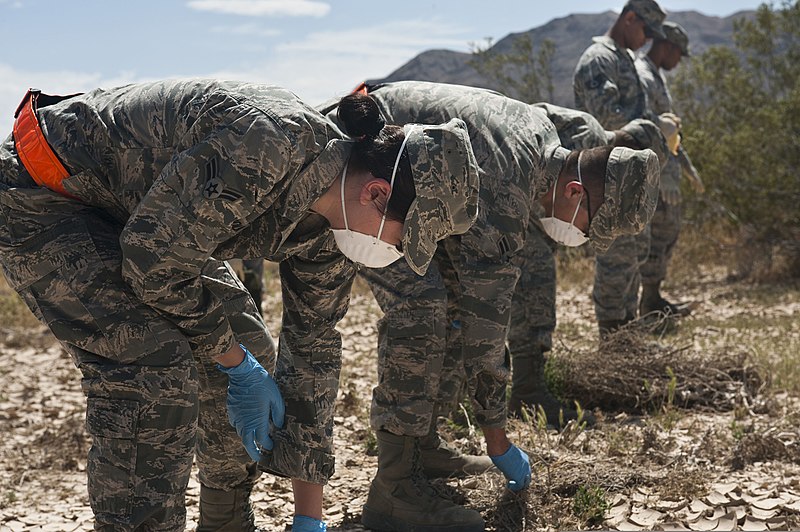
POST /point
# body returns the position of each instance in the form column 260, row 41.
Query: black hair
column 594, row 163
column 376, row 150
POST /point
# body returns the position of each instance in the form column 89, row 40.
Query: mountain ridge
column 571, row 35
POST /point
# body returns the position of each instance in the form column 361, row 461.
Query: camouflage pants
column 533, row 311
column 617, row 277
column 664, row 230
column 421, row 366
column 149, row 405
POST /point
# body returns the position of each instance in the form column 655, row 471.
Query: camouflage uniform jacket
column 577, row 130
column 654, row 86
column 660, row 101
column 514, row 145
column 200, row 169
column 607, row 86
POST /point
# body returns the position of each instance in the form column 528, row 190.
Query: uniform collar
column 612, row 45
column 312, row 182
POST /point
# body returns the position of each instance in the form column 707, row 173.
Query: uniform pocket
column 111, row 464
column 412, row 351
column 80, row 293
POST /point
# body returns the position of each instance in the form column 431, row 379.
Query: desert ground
column 695, row 446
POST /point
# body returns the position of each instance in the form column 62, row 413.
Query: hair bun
column 360, row 116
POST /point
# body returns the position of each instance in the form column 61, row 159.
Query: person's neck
column 656, row 56
column 329, row 205
column 617, row 34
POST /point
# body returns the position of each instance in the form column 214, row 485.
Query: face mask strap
column 391, row 181
column 580, row 180
column 344, row 212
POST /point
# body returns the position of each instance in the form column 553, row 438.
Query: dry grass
column 630, row 372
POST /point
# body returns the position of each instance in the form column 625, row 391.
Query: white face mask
column 565, row 233
column 368, row 250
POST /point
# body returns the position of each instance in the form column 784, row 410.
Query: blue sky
column 317, row 48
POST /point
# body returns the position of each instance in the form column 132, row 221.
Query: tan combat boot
column 442, row 460
column 225, row 511
column 401, row 499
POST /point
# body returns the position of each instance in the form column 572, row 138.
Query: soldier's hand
column 516, row 467
column 670, row 191
column 253, row 400
column 694, row 179
column 670, row 126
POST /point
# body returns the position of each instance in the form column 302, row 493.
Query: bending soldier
column 116, row 207
column 472, row 279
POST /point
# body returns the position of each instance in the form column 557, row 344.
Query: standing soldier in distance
column 533, row 313
column 664, row 54
column 607, row 86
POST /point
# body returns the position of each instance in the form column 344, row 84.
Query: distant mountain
column 571, row 35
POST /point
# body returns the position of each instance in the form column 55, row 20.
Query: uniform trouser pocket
column 70, row 275
column 138, row 371
column 143, row 422
column 411, row 352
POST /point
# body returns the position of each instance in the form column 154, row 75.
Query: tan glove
column 694, row 178
column 670, row 125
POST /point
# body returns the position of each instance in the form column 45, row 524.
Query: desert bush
column 741, row 116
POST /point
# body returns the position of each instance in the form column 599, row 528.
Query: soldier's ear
column 573, row 189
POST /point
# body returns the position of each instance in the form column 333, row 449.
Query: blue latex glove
column 516, row 467
column 253, row 398
column 302, row 523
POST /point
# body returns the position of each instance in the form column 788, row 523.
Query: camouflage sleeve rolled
column 607, row 86
column 316, row 288
column 211, row 189
column 487, row 289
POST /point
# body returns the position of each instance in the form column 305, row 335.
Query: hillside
column 571, row 35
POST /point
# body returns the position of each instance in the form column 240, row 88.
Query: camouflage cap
column 674, row 33
column 651, row 13
column 648, row 135
column 631, row 193
column 446, row 181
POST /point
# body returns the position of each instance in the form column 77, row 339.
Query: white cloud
column 318, row 67
column 250, row 29
column 16, row 4
column 290, row 8
column 328, row 64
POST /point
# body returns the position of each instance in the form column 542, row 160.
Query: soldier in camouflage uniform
column 664, row 54
column 114, row 240
column 533, row 315
column 607, row 86
column 522, row 162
